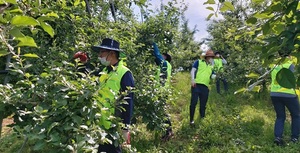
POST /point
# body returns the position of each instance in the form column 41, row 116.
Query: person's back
column 283, row 97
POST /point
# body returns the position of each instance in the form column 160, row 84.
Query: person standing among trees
column 164, row 77
column 201, row 73
column 118, row 79
column 219, row 69
column 282, row 97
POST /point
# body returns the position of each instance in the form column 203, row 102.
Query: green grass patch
column 233, row 123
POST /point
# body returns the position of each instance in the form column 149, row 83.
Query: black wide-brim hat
column 108, row 44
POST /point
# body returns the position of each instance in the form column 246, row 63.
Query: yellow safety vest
column 111, row 82
column 203, row 74
column 275, row 87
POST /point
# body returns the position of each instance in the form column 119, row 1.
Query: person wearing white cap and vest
column 201, row 73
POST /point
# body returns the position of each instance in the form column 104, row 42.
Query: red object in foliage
column 82, row 56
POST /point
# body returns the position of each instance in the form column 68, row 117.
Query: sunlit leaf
column 209, row 16
column 258, row 1
column 209, row 2
column 77, row 2
column 31, row 55
column 227, row 6
column 11, row 1
column 53, row 14
column 26, row 41
column 240, row 90
column 252, row 75
column 16, row 11
column 262, row 15
column 210, row 8
column 24, row 21
column 286, row 78
column 47, row 28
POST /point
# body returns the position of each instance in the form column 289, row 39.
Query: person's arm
column 292, row 67
column 159, row 59
column 223, row 60
column 126, row 114
column 127, row 82
column 193, row 71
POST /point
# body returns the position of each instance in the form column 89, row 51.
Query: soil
column 5, row 123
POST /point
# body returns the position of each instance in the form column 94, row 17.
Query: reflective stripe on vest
column 275, row 87
column 203, row 74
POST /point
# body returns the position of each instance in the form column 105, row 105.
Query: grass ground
column 234, row 124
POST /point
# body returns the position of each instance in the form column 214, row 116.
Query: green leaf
column 251, row 20
column 253, row 75
column 39, row 145
column 16, row 11
column 227, row 6
column 47, row 28
column 77, row 2
column 26, row 41
column 278, row 28
column 3, row 52
column 286, row 78
column 209, row 2
column 240, row 90
column 11, row 1
column 266, row 28
column 210, row 8
column 16, row 32
column 30, row 55
column 77, row 119
column 45, row 18
column 24, row 21
column 257, row 1
column 209, row 16
column 52, row 14
column 262, row 15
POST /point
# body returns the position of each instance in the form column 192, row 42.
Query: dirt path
column 5, row 123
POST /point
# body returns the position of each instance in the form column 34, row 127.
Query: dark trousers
column 292, row 105
column 109, row 148
column 218, row 80
column 200, row 92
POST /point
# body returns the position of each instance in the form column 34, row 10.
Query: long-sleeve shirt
column 160, row 61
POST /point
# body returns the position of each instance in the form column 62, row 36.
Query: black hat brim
column 97, row 48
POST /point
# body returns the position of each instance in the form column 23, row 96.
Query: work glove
column 82, row 56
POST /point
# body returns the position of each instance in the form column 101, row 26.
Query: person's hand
column 193, row 83
column 213, row 76
column 82, row 56
column 126, row 136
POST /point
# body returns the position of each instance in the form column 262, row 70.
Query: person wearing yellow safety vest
column 219, row 61
column 164, row 72
column 117, row 79
column 282, row 97
column 201, row 73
